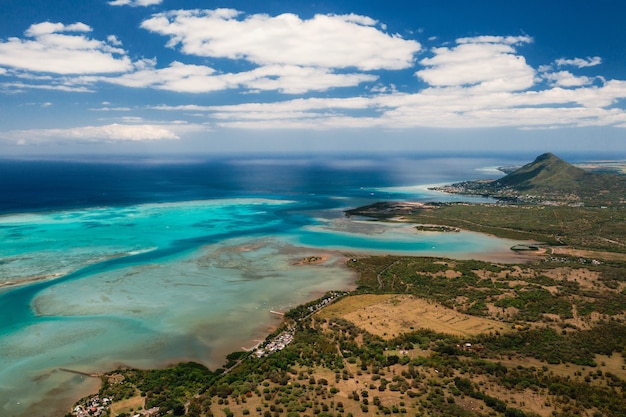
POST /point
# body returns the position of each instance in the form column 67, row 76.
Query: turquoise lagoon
column 153, row 284
column 147, row 283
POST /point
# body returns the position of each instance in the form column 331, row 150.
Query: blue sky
column 181, row 76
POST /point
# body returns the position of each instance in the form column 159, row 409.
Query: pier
column 73, row 371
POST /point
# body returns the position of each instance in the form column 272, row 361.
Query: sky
column 187, row 76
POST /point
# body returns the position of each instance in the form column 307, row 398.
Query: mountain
column 549, row 173
column 549, row 179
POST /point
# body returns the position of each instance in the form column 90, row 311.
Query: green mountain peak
column 547, row 173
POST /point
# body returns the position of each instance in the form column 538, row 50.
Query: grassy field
column 388, row 316
column 128, row 406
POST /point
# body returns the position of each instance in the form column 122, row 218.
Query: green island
column 424, row 336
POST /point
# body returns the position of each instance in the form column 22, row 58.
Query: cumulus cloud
column 328, row 41
column 135, row 3
column 580, row 62
column 288, row 54
column 481, row 81
column 294, row 79
column 63, row 49
column 202, row 79
column 490, row 62
column 47, row 28
column 567, row 79
column 450, row 107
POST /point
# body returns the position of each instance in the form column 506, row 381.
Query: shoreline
column 315, row 258
column 216, row 358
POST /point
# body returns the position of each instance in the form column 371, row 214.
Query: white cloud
column 135, row 3
column 580, row 62
column 299, row 104
column 112, row 39
column 21, row 86
column 202, row 79
column 51, row 50
column 328, row 41
column 486, row 61
column 505, row 40
column 293, row 79
column 47, row 28
column 176, row 77
column 107, row 133
column 567, row 79
column 448, row 107
column 479, row 82
column 107, row 108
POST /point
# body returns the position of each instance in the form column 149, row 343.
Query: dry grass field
column 388, row 315
column 606, row 256
column 127, row 406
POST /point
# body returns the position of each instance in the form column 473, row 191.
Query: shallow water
column 147, row 283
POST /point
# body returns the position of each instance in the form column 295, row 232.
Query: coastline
column 214, row 359
column 267, row 329
column 298, row 257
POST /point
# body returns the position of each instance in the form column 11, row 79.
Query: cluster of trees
column 167, row 388
column 533, row 295
column 546, row 344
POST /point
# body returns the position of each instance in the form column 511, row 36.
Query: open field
column 127, row 406
column 388, row 316
column 605, row 256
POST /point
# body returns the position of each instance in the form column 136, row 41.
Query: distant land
column 550, row 180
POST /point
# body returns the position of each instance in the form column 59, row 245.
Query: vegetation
column 550, row 179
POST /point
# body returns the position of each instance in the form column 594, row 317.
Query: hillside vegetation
column 549, row 179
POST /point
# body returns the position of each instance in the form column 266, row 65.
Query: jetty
column 73, row 371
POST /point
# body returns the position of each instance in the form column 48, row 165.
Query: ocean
column 148, row 261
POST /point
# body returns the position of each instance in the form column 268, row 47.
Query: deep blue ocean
column 52, row 185
column 145, row 261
